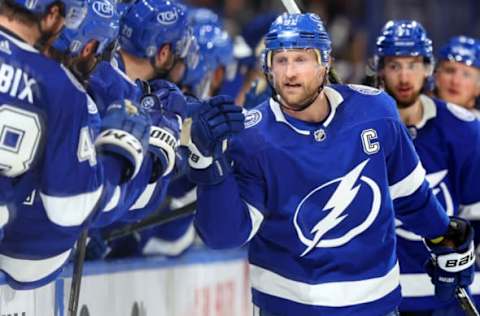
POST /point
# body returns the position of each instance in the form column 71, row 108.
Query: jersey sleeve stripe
column 155, row 246
column 331, row 294
column 409, row 184
column 256, row 217
column 114, row 200
column 70, row 210
column 144, row 198
column 470, row 211
column 24, row 270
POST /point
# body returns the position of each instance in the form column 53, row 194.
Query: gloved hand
column 125, row 130
column 213, row 122
column 451, row 265
column 165, row 96
column 167, row 106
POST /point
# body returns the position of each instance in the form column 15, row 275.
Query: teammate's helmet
column 149, row 24
column 462, row 49
column 74, row 10
column 291, row 31
column 215, row 49
column 101, row 24
column 403, row 38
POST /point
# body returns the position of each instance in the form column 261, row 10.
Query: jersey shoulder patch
column 364, row 89
column 252, row 118
column 460, row 112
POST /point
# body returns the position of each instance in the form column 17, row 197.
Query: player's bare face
column 296, row 75
column 403, row 79
column 458, row 83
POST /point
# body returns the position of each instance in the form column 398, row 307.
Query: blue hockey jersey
column 48, row 125
column 447, row 140
column 108, row 84
column 316, row 203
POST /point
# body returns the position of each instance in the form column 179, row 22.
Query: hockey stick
column 77, row 274
column 155, row 220
column 466, row 302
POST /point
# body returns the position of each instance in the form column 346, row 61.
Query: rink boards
column 202, row 283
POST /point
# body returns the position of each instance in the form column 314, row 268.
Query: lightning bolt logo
column 337, row 204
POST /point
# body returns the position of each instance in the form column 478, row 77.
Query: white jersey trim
column 114, row 200
column 419, row 285
column 144, row 198
column 20, row 44
column 470, row 211
column 23, row 270
column 333, row 96
column 409, row 184
column 155, row 246
column 429, row 110
column 187, row 198
column 256, row 217
column 70, row 210
column 331, row 294
column 4, row 215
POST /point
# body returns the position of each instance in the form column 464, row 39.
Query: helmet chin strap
column 302, row 106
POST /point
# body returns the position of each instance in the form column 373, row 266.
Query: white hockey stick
column 291, row 6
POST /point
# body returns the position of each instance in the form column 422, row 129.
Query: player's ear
column 89, row 49
column 477, row 86
column 164, row 55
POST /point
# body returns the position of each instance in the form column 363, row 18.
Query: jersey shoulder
column 458, row 123
column 364, row 103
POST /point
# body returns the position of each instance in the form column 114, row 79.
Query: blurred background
column 352, row 24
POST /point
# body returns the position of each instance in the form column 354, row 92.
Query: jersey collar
column 12, row 37
column 429, row 110
column 334, row 97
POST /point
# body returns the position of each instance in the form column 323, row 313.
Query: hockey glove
column 165, row 96
column 125, row 130
column 452, row 262
column 212, row 123
column 167, row 107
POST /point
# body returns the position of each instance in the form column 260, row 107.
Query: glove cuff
column 124, row 144
column 207, row 170
column 164, row 139
column 456, row 262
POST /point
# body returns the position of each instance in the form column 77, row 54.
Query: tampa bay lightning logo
column 103, row 9
column 343, row 200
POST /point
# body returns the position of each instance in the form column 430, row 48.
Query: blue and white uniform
column 447, row 140
column 45, row 113
column 107, row 84
column 316, row 203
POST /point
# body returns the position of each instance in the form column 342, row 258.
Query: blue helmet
column 215, row 48
column 101, row 24
column 462, row 49
column 74, row 11
column 403, row 38
column 149, row 24
column 204, row 16
column 295, row 30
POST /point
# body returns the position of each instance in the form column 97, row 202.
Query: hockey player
column 63, row 164
column 457, row 76
column 313, row 184
column 150, row 46
column 447, row 140
column 203, row 80
column 215, row 52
